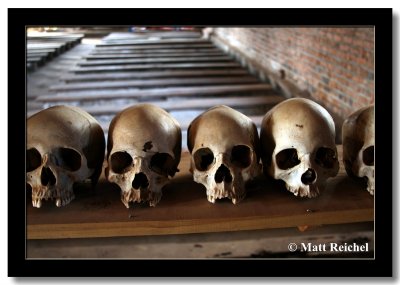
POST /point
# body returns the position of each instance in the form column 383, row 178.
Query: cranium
column 65, row 145
column 224, row 145
column 358, row 136
column 144, row 148
column 298, row 146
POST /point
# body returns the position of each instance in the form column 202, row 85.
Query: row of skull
column 66, row 145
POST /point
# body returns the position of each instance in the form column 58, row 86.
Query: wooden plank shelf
column 152, row 42
column 56, row 37
column 48, row 45
column 158, row 46
column 40, row 54
column 153, row 60
column 156, row 92
column 158, row 66
column 154, row 74
column 152, row 51
column 184, row 209
column 152, row 55
column 189, row 104
column 37, row 45
column 41, row 51
column 155, row 83
column 117, row 36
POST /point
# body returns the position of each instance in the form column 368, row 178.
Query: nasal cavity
column 309, row 177
column 47, row 177
column 223, row 174
column 140, row 181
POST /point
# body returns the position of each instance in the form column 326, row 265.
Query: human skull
column 298, row 146
column 144, row 148
column 224, row 145
column 65, row 145
column 358, row 137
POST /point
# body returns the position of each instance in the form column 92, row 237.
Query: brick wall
column 334, row 65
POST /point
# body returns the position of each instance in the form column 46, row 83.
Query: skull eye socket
column 33, row 159
column 287, row 158
column 203, row 159
column 120, row 162
column 241, row 156
column 325, row 157
column 163, row 163
column 68, row 159
column 368, row 156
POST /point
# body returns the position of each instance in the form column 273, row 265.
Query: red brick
column 329, row 61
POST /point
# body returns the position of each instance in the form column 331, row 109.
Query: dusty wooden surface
column 185, row 91
column 159, row 46
column 154, row 74
column 164, row 59
column 42, row 47
column 267, row 243
column 155, row 82
column 155, row 93
column 150, row 41
column 97, row 56
column 155, row 66
column 184, row 209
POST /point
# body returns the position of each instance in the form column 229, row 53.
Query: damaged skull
column 358, row 136
column 224, row 145
column 144, row 148
column 65, row 145
column 298, row 146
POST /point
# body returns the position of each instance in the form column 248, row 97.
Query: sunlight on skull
column 224, row 145
column 298, row 146
column 65, row 145
column 144, row 150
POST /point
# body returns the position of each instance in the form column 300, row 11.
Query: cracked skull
column 298, row 146
column 224, row 146
column 144, row 150
column 65, row 145
column 358, row 136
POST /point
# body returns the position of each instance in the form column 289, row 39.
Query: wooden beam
column 105, row 62
column 40, row 54
column 156, row 51
column 156, row 66
column 34, row 51
column 187, row 104
column 35, row 59
column 55, row 35
column 152, row 34
column 152, row 55
column 194, row 104
column 155, row 93
column 154, row 83
column 44, row 45
column 148, row 34
column 154, row 41
column 41, row 49
column 154, row 74
column 45, row 42
column 158, row 46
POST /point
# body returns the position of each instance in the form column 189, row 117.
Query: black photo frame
column 19, row 265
